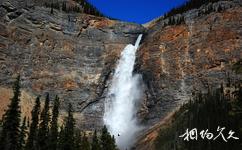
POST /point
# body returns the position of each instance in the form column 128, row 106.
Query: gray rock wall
column 69, row 55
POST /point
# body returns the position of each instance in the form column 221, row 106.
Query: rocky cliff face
column 69, row 55
column 73, row 55
column 180, row 60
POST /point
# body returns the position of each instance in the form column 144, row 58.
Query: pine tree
column 1, row 126
column 28, row 124
column 63, row 6
column 23, row 133
column 61, row 138
column 88, row 8
column 188, row 5
column 11, row 121
column 239, row 94
column 219, row 8
column 54, row 125
column 31, row 142
column 44, row 125
column 113, row 144
column 85, row 145
column 78, row 140
column 67, row 135
column 95, row 142
column 51, row 9
column 107, row 141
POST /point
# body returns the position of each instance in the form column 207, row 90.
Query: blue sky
column 139, row 11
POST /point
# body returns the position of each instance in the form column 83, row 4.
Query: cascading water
column 122, row 96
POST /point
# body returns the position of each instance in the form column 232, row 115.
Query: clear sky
column 139, row 11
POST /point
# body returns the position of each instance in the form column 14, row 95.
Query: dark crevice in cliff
column 91, row 102
column 8, row 8
column 103, row 84
column 14, row 15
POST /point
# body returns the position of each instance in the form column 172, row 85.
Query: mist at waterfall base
column 123, row 95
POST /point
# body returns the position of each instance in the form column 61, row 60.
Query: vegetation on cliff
column 189, row 5
column 81, row 6
column 206, row 116
column 9, row 138
column 237, row 67
column 44, row 132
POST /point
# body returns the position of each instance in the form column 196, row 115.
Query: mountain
column 177, row 61
column 73, row 55
column 66, row 54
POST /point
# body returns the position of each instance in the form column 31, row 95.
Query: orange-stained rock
column 180, row 60
column 26, row 103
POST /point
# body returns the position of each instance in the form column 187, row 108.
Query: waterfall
column 124, row 93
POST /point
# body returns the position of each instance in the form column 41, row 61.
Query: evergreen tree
column 95, row 142
column 44, row 125
column 54, row 125
column 63, row 6
column 188, row 5
column 61, row 138
column 28, row 124
column 22, row 135
column 51, row 9
column 107, row 142
column 1, row 126
column 88, row 8
column 205, row 111
column 67, row 135
column 78, row 140
column 85, row 145
column 11, row 121
column 31, row 142
column 113, row 144
column 219, row 9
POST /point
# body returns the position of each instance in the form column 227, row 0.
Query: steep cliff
column 177, row 61
column 68, row 54
column 74, row 54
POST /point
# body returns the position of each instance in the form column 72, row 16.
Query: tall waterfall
column 122, row 96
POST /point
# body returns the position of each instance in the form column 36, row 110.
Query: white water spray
column 123, row 94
